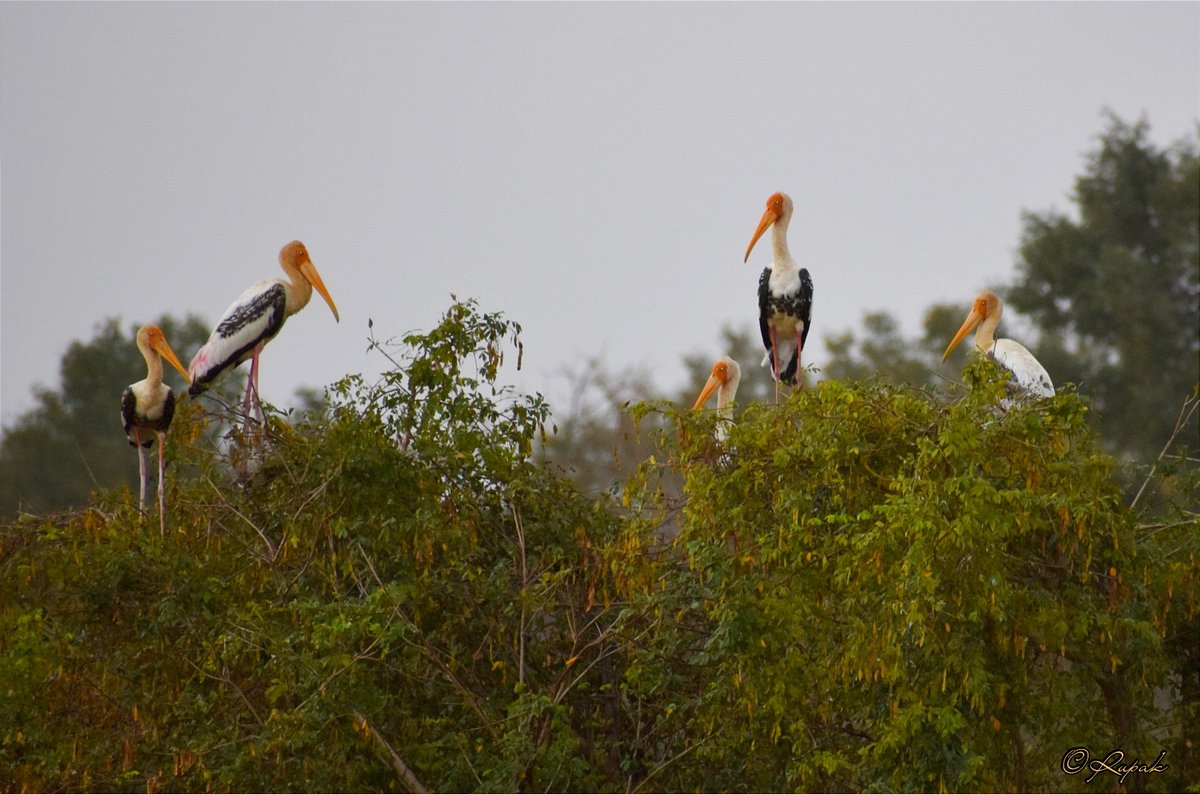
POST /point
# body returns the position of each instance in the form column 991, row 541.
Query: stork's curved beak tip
column 973, row 319
column 769, row 217
column 709, row 387
column 164, row 350
column 310, row 272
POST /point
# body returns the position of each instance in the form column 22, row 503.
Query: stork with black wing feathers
column 785, row 293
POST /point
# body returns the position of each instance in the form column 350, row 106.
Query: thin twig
column 524, row 594
column 226, row 679
column 407, row 778
column 225, row 503
column 667, row 763
column 1185, row 415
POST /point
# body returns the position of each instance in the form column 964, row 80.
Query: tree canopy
column 864, row 588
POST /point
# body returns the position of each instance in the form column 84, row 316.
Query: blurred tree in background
column 883, row 353
column 593, row 440
column 1116, row 291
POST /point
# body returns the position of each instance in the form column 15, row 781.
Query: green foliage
column 864, row 588
column 870, row 591
column 397, row 573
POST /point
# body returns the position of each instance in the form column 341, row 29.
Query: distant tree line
column 1114, row 297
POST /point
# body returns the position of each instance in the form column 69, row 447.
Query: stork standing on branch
column 254, row 319
column 1027, row 375
column 785, row 293
column 147, row 408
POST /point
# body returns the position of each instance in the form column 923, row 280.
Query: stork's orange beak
column 770, row 216
column 310, row 272
column 160, row 345
column 973, row 319
column 710, row 386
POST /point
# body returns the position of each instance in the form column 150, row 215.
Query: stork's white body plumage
column 1027, row 372
column 150, row 397
column 254, row 318
column 1028, row 376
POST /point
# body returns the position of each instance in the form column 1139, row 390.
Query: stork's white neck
column 154, row 367
column 781, row 256
column 985, row 334
column 727, row 391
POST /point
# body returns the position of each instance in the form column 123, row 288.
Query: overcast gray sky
column 595, row 171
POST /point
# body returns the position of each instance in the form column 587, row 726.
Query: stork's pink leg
column 246, row 399
column 775, row 363
column 799, row 359
column 254, row 380
column 137, row 437
column 252, row 391
column 162, row 508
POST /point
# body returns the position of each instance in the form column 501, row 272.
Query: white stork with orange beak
column 148, row 406
column 726, row 374
column 254, row 319
column 1027, row 373
column 785, row 293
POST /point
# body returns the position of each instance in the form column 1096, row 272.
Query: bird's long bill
column 973, row 319
column 310, row 272
column 769, row 217
column 709, row 388
column 163, row 348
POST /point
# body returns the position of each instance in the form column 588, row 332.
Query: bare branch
column 524, row 594
column 272, row 551
column 1185, row 415
column 403, row 773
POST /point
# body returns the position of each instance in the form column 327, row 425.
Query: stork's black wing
column 128, row 412
column 804, row 300
column 764, row 307
column 253, row 319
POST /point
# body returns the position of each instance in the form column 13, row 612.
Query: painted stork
column 724, row 381
column 785, row 293
column 148, row 406
column 254, row 319
column 1027, row 375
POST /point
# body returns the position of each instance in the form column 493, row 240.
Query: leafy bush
column 865, row 588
